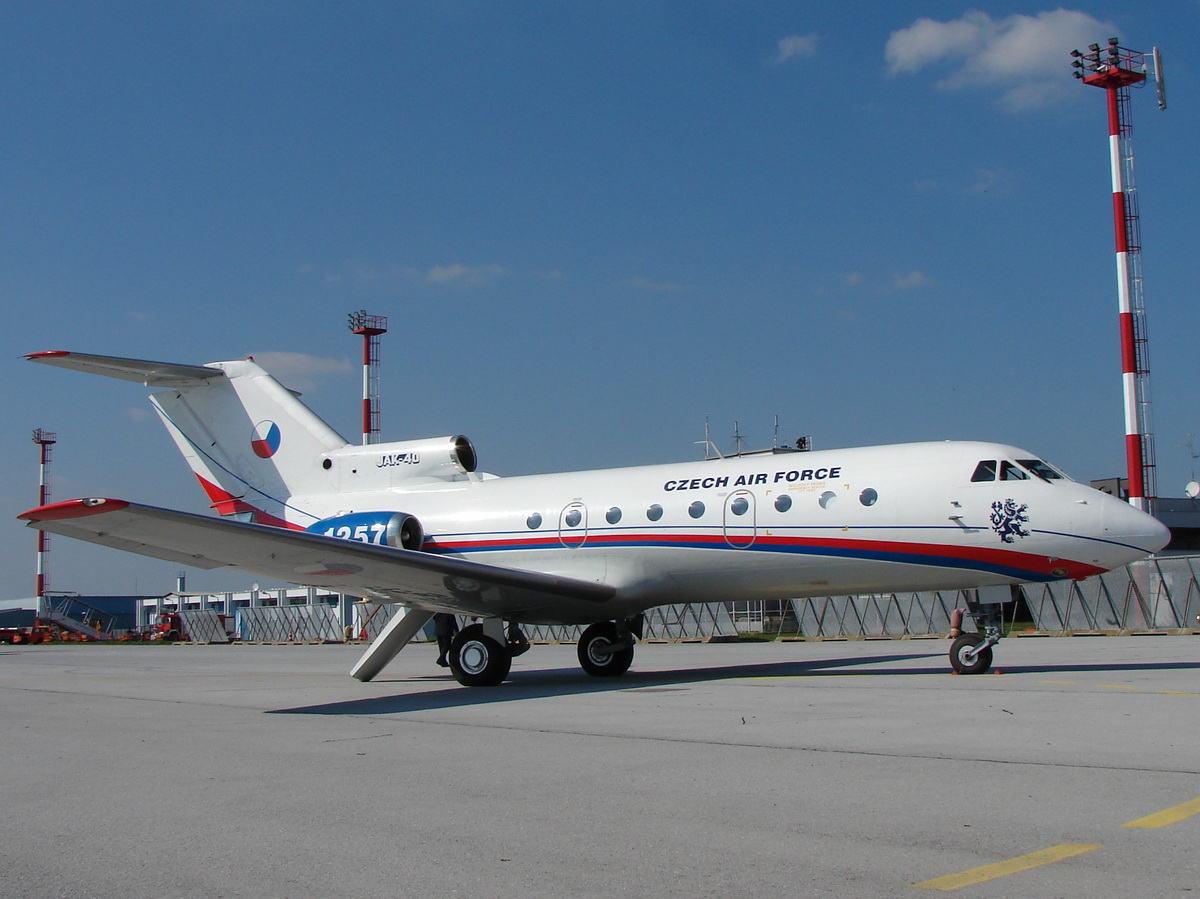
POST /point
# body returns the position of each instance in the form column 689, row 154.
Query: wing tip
column 46, row 354
column 74, row 508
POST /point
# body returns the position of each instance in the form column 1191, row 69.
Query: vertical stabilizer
column 252, row 444
column 250, row 441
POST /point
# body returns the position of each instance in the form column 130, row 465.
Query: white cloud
column 1026, row 57
column 468, row 275
column 986, row 180
column 908, row 280
column 300, row 371
column 639, row 283
column 796, row 46
column 393, row 275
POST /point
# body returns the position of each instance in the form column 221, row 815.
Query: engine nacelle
column 391, row 463
column 396, row 529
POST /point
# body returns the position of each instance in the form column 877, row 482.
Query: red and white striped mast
column 369, row 327
column 44, row 440
column 1116, row 69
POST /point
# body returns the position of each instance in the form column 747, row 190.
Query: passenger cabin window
column 984, row 471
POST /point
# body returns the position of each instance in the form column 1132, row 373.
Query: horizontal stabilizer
column 142, row 371
column 379, row 573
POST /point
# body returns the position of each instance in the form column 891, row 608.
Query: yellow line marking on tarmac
column 1004, row 868
column 1075, row 683
column 1167, row 816
column 817, row 675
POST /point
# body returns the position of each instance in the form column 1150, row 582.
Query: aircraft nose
column 1134, row 528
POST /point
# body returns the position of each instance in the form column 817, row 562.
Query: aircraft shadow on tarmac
column 567, row 682
column 572, row 681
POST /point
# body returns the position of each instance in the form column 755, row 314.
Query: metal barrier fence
column 203, row 626
column 887, row 614
column 284, row 624
column 682, row 621
column 1155, row 594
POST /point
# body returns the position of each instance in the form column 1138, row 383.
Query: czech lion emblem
column 1008, row 519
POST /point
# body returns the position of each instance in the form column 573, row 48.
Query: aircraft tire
column 596, row 655
column 476, row 660
column 980, row 664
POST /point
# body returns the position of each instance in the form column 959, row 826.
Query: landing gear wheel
column 597, row 654
column 476, row 660
column 977, row 664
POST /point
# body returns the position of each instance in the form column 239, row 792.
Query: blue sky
column 590, row 226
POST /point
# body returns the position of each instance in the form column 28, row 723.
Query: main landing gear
column 972, row 653
column 606, row 647
column 481, row 654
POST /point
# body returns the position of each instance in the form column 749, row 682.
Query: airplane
column 416, row 524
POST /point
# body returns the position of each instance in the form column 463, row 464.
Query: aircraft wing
column 380, row 573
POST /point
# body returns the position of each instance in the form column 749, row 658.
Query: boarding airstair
column 69, row 613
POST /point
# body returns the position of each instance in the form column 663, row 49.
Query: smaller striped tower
column 369, row 327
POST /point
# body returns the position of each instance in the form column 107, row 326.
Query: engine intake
column 395, row 529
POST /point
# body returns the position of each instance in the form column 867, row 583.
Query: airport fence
column 1157, row 594
column 203, row 626
column 289, row 624
column 682, row 621
column 1160, row 593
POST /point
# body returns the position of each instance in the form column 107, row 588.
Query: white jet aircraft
column 414, row 523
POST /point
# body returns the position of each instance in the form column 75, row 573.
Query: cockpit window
column 1010, row 472
column 1041, row 469
column 985, row 471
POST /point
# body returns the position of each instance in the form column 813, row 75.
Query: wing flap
column 380, row 573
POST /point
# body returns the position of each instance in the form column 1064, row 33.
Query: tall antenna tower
column 1116, row 69
column 44, row 440
column 369, row 327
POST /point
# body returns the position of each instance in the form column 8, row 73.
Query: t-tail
column 261, row 454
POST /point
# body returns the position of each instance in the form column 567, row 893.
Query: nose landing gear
column 972, row 653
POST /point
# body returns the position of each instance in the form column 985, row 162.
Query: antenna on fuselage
column 709, row 448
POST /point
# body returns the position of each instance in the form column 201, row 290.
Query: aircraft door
column 572, row 525
column 739, row 519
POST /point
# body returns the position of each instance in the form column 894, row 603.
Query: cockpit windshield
column 1003, row 470
column 1043, row 470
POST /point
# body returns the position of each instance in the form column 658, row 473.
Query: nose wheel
column 972, row 653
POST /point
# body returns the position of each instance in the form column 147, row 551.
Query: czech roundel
column 266, row 439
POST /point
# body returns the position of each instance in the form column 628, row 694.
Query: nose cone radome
column 1141, row 533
